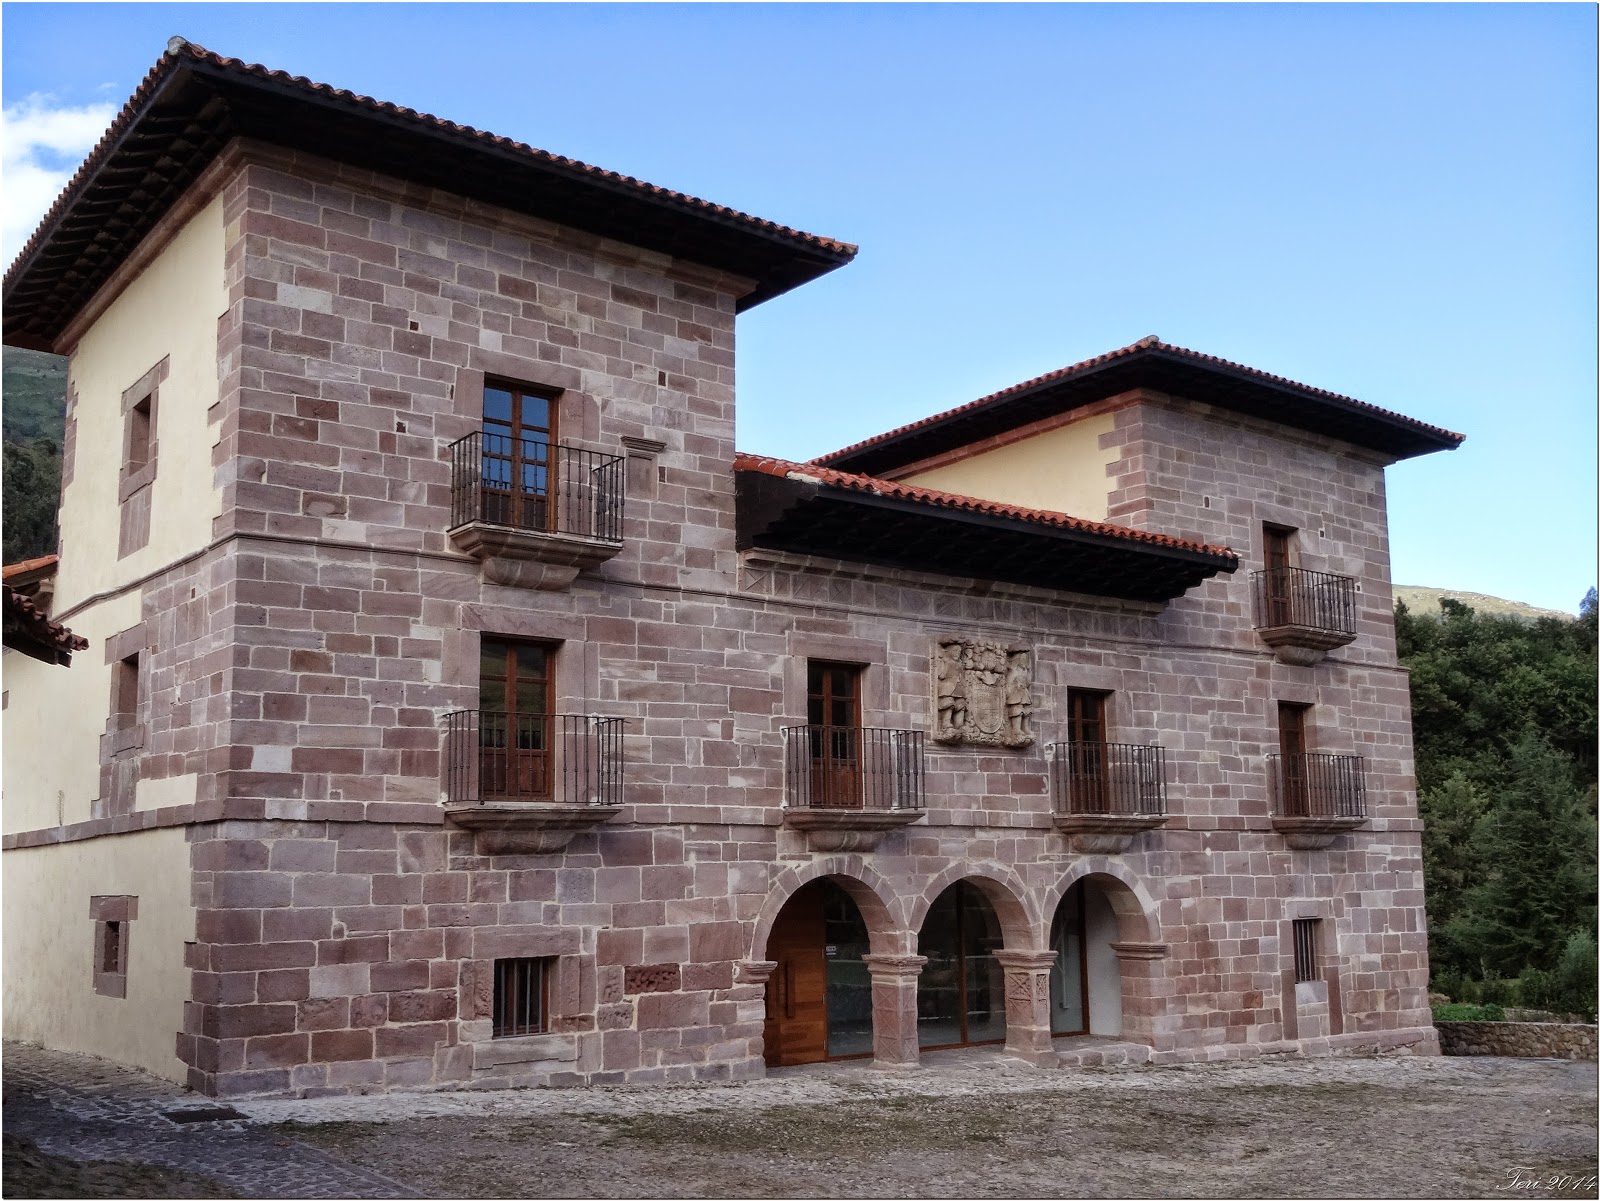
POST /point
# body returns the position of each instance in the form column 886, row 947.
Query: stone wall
column 1526, row 1040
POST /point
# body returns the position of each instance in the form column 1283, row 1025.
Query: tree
column 1536, row 847
column 32, row 492
column 1451, row 863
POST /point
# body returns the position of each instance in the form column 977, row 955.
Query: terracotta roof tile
column 1150, row 343
column 36, row 627
column 31, row 569
column 179, row 50
column 816, row 473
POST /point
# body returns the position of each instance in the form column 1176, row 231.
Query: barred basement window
column 521, row 996
column 111, row 948
column 1305, row 949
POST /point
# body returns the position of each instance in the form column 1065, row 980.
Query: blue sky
column 1394, row 202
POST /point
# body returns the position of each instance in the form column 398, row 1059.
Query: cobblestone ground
column 970, row 1124
column 77, row 1126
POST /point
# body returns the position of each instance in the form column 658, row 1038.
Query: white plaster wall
column 1061, row 470
column 169, row 310
column 48, row 982
column 1105, row 970
column 54, row 718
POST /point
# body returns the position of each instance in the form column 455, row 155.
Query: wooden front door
column 515, row 739
column 796, row 1029
column 833, row 712
column 519, row 431
column 1086, row 732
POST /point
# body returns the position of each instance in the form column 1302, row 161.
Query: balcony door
column 519, row 430
column 1275, row 551
column 833, row 713
column 1292, row 751
column 1086, row 736
column 515, row 703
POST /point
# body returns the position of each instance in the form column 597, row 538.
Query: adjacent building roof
column 808, row 509
column 1148, row 363
column 193, row 102
column 27, row 628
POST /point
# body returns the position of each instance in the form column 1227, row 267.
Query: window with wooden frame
column 1307, row 932
column 140, row 408
column 113, row 918
column 1293, row 720
column 516, row 716
column 519, row 437
column 1086, row 739
column 833, row 713
column 522, row 996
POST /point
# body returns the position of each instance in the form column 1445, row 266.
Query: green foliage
column 1504, row 717
column 32, row 491
column 1468, row 1013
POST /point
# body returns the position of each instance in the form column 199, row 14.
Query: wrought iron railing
column 1293, row 596
column 1109, row 777
column 527, row 484
column 1309, row 785
column 844, row 767
column 572, row 759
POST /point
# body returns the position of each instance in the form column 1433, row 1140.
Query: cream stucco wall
column 170, row 310
column 1062, row 470
column 54, row 718
column 48, row 983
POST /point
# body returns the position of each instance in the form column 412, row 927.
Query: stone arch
column 1002, row 887
column 1130, row 900
column 869, row 890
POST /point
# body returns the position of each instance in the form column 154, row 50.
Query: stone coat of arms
column 982, row 693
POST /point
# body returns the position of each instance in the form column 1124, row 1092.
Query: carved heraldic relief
column 982, row 693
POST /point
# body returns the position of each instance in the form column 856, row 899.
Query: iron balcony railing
column 1307, row 785
column 570, row 759
column 527, row 484
column 1109, row 778
column 842, row 767
column 1293, row 596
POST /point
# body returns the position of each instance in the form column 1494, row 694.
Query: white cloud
column 41, row 145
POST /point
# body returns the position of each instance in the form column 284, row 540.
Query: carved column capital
column 1140, row 950
column 756, row 971
column 894, row 965
column 1036, row 961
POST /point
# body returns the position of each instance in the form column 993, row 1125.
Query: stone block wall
column 1524, row 1040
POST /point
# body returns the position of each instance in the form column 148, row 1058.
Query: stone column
column 749, row 993
column 1028, row 1005
column 1143, row 999
column 894, row 1009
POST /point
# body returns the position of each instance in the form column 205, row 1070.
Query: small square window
column 522, row 996
column 1306, row 936
column 139, row 434
column 127, row 687
column 112, row 917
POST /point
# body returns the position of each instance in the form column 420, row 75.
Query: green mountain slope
column 1425, row 602
column 33, row 393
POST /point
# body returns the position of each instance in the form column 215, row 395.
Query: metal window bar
column 111, row 952
column 1294, row 596
column 521, row 996
column 848, row 767
column 573, row 759
column 1110, row 777
column 526, row 483
column 1310, row 785
column 1305, row 949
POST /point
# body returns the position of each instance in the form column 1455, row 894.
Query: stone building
column 461, row 709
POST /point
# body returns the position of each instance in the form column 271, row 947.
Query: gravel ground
column 970, row 1124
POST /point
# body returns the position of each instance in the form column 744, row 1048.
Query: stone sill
column 530, row 1048
column 1104, row 833
column 1303, row 646
column 1314, row 833
column 540, row 559
column 848, row 829
column 527, row 827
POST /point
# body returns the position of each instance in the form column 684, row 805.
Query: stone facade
column 300, row 664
